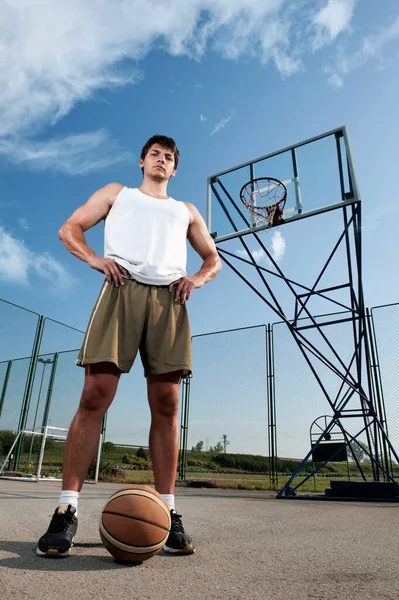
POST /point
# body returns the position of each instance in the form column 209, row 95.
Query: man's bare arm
column 85, row 217
column 203, row 244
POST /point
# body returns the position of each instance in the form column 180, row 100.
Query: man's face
column 159, row 163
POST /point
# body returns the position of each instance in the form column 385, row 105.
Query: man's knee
column 163, row 394
column 98, row 391
column 165, row 404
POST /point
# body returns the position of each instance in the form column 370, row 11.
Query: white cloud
column 202, row 118
column 14, row 258
column 374, row 43
column 287, row 65
column 278, row 246
column 73, row 154
column 371, row 47
column 331, row 20
column 259, row 255
column 223, row 122
column 277, row 250
column 23, row 223
column 54, row 55
column 335, row 80
column 18, row 263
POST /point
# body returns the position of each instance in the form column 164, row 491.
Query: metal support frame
column 351, row 390
column 185, row 405
column 271, row 407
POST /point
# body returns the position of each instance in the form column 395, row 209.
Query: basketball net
column 264, row 199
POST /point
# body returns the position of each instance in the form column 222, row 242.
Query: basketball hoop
column 265, row 199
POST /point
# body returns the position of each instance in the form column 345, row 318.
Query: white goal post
column 45, row 433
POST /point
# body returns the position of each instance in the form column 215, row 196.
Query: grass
column 232, row 481
column 52, row 466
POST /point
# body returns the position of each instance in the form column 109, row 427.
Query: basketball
column 134, row 523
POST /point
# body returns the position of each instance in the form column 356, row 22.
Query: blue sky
column 230, row 80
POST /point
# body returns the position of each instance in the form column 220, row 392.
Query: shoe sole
column 186, row 550
column 54, row 553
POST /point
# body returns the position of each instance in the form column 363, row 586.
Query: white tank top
column 148, row 236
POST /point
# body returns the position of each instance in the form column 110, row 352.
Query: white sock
column 169, row 500
column 69, row 497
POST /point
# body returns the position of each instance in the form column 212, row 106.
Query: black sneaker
column 178, row 541
column 58, row 539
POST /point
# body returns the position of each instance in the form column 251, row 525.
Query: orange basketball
column 134, row 523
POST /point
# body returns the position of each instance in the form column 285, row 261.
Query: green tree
column 198, row 447
column 108, row 447
column 141, row 453
column 7, row 438
column 217, row 449
column 358, row 451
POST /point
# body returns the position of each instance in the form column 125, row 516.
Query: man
column 141, row 307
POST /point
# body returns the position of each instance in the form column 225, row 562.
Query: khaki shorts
column 137, row 317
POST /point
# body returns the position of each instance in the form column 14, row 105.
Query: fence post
column 5, row 385
column 378, row 392
column 184, row 426
column 50, row 390
column 271, row 405
column 41, row 453
column 28, row 388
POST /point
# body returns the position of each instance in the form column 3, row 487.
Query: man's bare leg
column 163, row 398
column 101, row 382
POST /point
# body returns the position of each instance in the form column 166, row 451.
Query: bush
column 7, row 438
column 108, row 447
column 141, row 453
column 194, row 463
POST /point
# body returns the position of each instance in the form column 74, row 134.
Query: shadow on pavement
column 25, row 558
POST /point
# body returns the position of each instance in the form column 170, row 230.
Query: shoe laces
column 60, row 522
column 176, row 525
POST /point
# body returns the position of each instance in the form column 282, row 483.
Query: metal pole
column 28, row 388
column 45, row 363
column 298, row 198
column 50, row 390
column 100, row 447
column 378, row 392
column 103, row 430
column 271, row 406
column 184, row 427
column 99, row 450
column 209, row 206
column 42, row 446
column 5, row 385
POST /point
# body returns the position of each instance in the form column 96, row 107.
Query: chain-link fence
column 39, row 384
column 272, row 405
column 250, row 413
column 309, row 393
column 385, row 321
column 228, row 407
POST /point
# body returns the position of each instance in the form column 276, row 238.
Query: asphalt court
column 249, row 545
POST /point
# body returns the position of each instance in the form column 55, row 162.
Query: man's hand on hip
column 185, row 286
column 112, row 270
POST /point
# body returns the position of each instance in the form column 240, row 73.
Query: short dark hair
column 162, row 140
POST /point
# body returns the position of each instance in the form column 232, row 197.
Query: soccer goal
column 41, row 456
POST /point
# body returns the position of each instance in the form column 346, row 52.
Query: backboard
column 318, row 173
